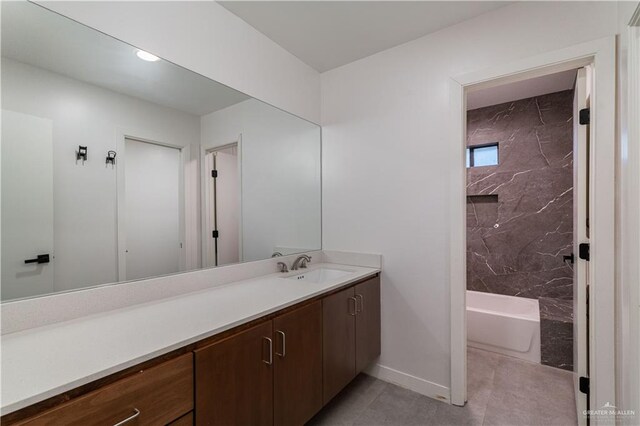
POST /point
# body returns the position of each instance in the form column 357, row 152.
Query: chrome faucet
column 300, row 262
column 283, row 267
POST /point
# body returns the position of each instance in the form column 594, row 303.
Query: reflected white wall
column 85, row 216
column 280, row 175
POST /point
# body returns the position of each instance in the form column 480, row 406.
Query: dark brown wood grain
column 339, row 342
column 161, row 394
column 297, row 394
column 186, row 420
column 234, row 384
column 367, row 323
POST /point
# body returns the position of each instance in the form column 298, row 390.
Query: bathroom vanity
column 279, row 360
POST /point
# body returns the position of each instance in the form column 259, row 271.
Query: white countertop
column 43, row 362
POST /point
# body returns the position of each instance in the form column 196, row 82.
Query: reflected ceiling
column 38, row 37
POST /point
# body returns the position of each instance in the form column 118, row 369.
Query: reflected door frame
column 205, row 197
column 121, row 204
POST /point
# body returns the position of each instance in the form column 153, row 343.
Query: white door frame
column 601, row 54
column 121, row 156
column 630, row 238
column 205, row 195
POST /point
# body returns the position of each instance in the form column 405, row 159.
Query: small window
column 482, row 155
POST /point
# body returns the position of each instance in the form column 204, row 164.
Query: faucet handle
column 283, row 267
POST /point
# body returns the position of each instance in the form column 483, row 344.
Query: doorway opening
column 222, row 205
column 599, row 249
column 526, row 194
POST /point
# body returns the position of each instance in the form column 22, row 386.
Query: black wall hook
column 111, row 157
column 81, row 153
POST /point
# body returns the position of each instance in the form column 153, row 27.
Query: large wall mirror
column 118, row 165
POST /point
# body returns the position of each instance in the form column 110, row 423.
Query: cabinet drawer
column 159, row 395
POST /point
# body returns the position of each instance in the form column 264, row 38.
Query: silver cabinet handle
column 355, row 302
column 361, row 297
column 270, row 361
column 135, row 414
column 284, row 344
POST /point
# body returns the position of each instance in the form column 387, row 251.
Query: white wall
column 85, row 195
column 385, row 188
column 280, row 157
column 208, row 39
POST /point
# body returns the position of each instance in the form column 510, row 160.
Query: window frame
column 471, row 148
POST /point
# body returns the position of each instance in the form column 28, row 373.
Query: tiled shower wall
column 519, row 213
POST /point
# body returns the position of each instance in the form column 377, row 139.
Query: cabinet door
column 339, row 342
column 234, row 379
column 367, row 295
column 297, row 365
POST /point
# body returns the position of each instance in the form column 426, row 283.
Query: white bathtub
column 505, row 324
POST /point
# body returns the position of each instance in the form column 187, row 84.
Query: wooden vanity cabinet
column 234, row 379
column 271, row 373
column 339, row 342
column 367, row 317
column 351, row 333
column 297, row 365
column 280, row 369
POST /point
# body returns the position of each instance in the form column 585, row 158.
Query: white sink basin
column 320, row 275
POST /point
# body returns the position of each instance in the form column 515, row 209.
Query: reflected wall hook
column 81, row 153
column 111, row 157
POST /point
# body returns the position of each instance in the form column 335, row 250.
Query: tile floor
column 501, row 391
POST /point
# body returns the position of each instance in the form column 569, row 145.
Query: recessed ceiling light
column 146, row 56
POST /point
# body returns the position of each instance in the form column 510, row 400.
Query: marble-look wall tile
column 520, row 212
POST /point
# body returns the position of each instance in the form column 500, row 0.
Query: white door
column 580, row 236
column 222, row 206
column 227, row 205
column 209, row 211
column 27, row 204
column 152, row 209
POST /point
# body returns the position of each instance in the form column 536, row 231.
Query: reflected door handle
column 569, row 258
column 42, row 258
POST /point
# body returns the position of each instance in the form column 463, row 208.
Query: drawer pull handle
column 270, row 361
column 361, row 297
column 284, row 344
column 355, row 309
column 135, row 414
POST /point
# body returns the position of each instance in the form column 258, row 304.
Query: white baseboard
column 416, row 384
